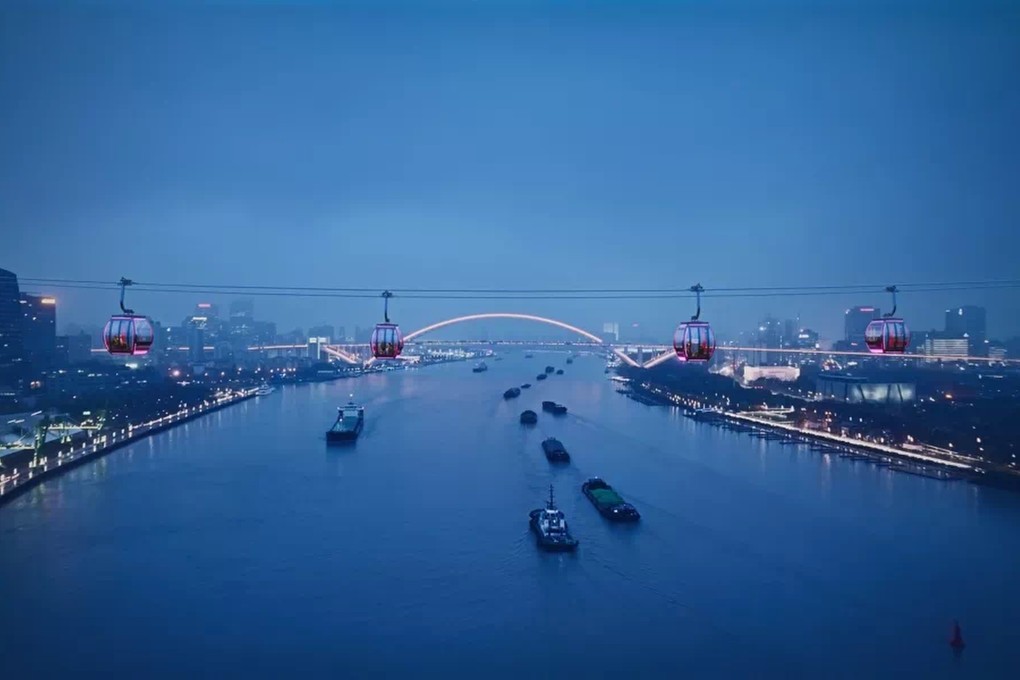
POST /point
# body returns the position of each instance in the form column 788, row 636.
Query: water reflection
column 753, row 557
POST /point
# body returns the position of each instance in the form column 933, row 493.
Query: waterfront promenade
column 16, row 481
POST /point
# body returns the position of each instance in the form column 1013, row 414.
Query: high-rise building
column 323, row 331
column 790, row 332
column 770, row 333
column 855, row 322
column 264, row 332
column 611, row 328
column 968, row 322
column 241, row 326
column 946, row 347
column 11, row 349
column 242, row 309
column 196, row 343
column 207, row 310
column 74, row 349
column 39, row 329
column 806, row 339
column 1013, row 348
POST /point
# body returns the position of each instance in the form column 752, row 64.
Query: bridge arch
column 521, row 317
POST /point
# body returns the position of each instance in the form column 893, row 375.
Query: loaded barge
column 609, row 503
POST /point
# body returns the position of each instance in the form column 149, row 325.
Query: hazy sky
column 537, row 144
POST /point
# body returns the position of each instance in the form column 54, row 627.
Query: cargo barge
column 609, row 503
column 555, row 452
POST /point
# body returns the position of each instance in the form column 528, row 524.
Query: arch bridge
column 339, row 353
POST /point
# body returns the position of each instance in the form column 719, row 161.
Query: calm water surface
column 239, row 544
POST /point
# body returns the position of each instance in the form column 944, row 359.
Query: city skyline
column 627, row 330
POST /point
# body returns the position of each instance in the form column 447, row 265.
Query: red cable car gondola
column 387, row 341
column 128, row 333
column 694, row 340
column 888, row 335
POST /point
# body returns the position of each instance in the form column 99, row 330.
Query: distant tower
column 856, row 320
column 39, row 329
column 968, row 322
column 11, row 350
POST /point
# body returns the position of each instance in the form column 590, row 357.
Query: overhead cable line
column 524, row 294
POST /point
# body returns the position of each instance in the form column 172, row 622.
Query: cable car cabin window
column 115, row 338
column 897, row 337
column 144, row 335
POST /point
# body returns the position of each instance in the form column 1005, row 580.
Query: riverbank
column 882, row 455
column 17, row 482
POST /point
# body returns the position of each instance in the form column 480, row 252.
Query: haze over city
column 515, row 145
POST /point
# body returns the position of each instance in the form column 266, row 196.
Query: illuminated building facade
column 39, row 329
column 856, row 320
column 859, row 390
column 11, row 349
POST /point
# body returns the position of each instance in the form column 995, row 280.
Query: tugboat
column 349, row 422
column 529, row 418
column 550, row 528
column 549, row 369
column 541, row 376
column 555, row 452
column 559, row 371
column 480, row 368
column 512, row 393
column 264, row 390
column 956, row 641
column 608, row 502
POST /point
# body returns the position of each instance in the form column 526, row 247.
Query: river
column 239, row 544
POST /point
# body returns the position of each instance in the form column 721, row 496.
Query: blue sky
column 515, row 145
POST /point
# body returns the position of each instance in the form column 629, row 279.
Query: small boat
column 550, row 527
column 526, row 386
column 528, row 355
column 480, row 368
column 512, row 393
column 349, row 422
column 541, row 376
column 554, row 450
column 570, row 360
column 264, row 390
column 529, row 418
column 956, row 641
column 559, row 371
